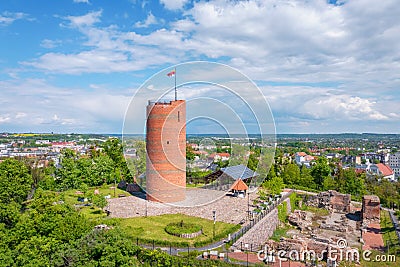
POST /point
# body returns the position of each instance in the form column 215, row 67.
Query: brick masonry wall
column 166, row 151
column 260, row 232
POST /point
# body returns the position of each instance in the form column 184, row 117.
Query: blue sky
column 323, row 66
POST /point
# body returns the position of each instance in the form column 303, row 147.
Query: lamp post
column 246, row 246
column 145, row 215
column 214, row 218
column 115, row 186
column 248, row 205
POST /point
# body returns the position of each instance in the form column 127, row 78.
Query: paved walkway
column 373, row 238
column 228, row 209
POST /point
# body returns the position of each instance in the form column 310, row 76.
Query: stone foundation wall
column 260, row 232
column 288, row 206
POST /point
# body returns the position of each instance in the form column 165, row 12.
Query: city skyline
column 323, row 66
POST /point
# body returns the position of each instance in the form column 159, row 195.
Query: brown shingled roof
column 384, row 169
column 239, row 185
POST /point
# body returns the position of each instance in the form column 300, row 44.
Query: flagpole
column 176, row 94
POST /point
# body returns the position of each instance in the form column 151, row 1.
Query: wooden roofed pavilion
column 239, row 185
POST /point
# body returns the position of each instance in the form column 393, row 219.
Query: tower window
column 167, row 142
column 179, row 119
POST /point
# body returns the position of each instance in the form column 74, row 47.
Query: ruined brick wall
column 340, row 202
column 331, row 200
column 166, row 151
column 371, row 209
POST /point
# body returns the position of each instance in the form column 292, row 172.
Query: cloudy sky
column 323, row 66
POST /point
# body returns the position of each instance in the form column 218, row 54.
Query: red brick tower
column 166, row 151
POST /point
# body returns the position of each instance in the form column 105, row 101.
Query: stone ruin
column 304, row 221
column 332, row 201
column 301, row 219
column 340, row 225
column 298, row 245
column 306, row 248
column 371, row 209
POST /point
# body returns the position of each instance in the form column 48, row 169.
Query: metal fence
column 258, row 218
column 244, row 247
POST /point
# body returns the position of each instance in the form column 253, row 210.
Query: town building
column 302, row 158
column 394, row 163
column 380, row 170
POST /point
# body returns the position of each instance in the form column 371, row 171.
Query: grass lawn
column 280, row 232
column 152, row 228
column 147, row 229
column 389, row 233
column 316, row 211
column 72, row 198
column 92, row 212
column 195, row 185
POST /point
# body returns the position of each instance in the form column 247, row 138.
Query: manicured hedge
column 178, row 228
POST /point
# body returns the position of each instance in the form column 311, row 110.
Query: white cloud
column 174, row 4
column 341, row 107
column 44, row 107
column 98, row 61
column 82, row 1
column 46, row 43
column 353, row 50
column 4, row 118
column 85, row 20
column 150, row 20
column 20, row 115
column 6, row 18
column 316, row 109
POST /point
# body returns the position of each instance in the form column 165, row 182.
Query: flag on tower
column 171, row 74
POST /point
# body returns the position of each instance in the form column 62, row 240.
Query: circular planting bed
column 185, row 230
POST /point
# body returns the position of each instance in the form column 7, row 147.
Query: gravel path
column 228, row 208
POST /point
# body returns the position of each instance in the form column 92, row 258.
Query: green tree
column 190, row 153
column 103, row 170
column 47, row 182
column 68, row 176
column 113, row 148
column 329, row 183
column 340, row 179
column 274, row 186
column 15, row 185
column 353, row 185
column 99, row 201
column 271, row 173
column 306, row 178
column 291, row 174
column 252, row 163
column 15, row 181
column 85, row 170
column 320, row 171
